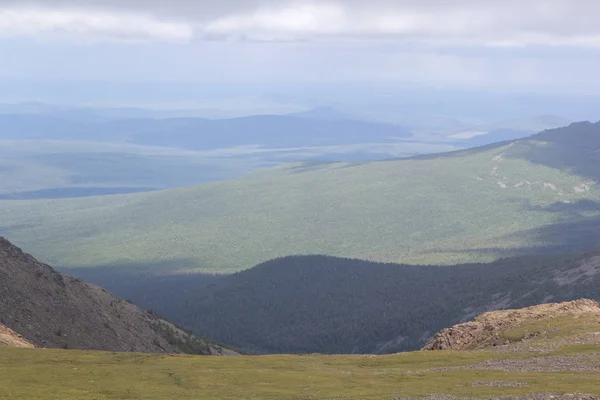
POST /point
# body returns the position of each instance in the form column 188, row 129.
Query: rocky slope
column 48, row 309
column 489, row 329
column 8, row 337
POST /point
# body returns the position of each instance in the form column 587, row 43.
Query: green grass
column 435, row 210
column 56, row 374
column 87, row 375
column 555, row 328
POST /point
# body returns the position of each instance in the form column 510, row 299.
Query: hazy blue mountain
column 494, row 136
column 271, row 131
column 23, row 126
column 45, row 155
column 532, row 124
column 512, row 129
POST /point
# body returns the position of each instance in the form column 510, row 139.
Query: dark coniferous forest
column 319, row 304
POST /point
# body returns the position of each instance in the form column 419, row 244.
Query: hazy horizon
column 493, row 45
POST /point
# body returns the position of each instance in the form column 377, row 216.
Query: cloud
column 485, row 23
column 476, row 23
column 295, row 21
column 88, row 24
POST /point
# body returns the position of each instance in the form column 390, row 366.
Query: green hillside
column 560, row 358
column 535, row 194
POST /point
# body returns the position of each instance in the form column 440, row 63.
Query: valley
column 548, row 351
column 62, row 153
column 533, row 195
column 53, row 151
column 299, row 200
column 407, row 246
column 318, row 304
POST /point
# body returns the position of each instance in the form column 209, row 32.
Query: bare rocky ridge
column 48, row 309
column 485, row 330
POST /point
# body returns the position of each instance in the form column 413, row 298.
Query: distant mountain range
column 47, row 152
column 507, row 130
column 50, row 151
column 270, row 131
column 418, row 124
column 464, row 133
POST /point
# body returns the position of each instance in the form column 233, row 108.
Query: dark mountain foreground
column 40, row 307
column 546, row 352
column 319, row 304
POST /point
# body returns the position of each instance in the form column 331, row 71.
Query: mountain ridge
column 51, row 310
column 191, row 133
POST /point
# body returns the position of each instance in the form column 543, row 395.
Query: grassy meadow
column 66, row 375
column 559, row 359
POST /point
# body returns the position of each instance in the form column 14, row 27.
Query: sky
column 495, row 44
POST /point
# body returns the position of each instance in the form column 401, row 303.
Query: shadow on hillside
column 575, row 231
column 570, row 236
column 323, row 304
column 153, row 277
column 150, row 286
column 575, row 148
column 577, row 208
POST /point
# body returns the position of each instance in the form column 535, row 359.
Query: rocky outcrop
column 486, row 329
column 48, row 309
column 9, row 338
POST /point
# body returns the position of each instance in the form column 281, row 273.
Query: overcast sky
column 489, row 43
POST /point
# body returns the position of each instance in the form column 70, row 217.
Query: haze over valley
column 57, row 151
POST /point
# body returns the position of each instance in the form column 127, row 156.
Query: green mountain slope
column 534, row 194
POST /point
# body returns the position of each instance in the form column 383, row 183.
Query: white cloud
column 290, row 22
column 485, row 23
column 462, row 42
column 88, row 24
